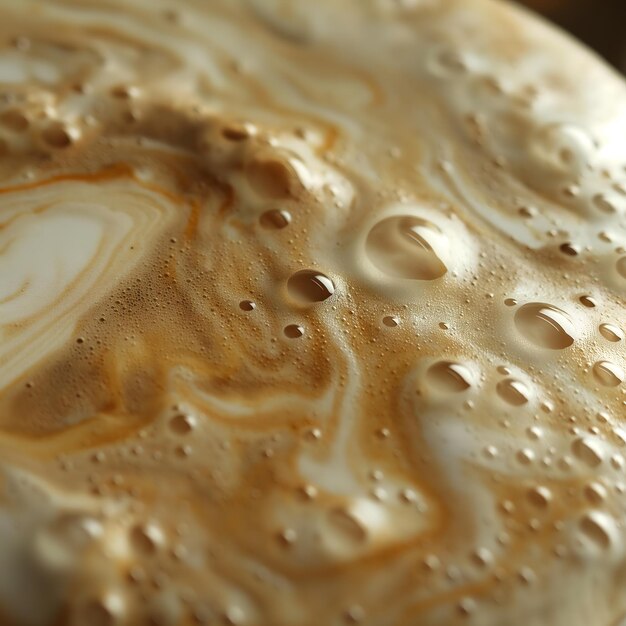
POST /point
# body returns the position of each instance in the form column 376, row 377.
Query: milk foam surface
column 311, row 313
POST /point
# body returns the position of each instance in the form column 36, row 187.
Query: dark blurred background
column 601, row 24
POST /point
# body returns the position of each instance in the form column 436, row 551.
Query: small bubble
column 288, row 536
column 588, row 301
column 348, row 525
column 99, row 456
column 391, row 321
column 547, row 406
column 604, row 203
column 508, row 507
column 447, row 62
column 595, row 493
column 510, row 302
column 449, row 376
column 309, row 492
column 136, row 575
column 527, row 212
column 526, row 575
column 588, row 450
column 467, row 606
column 310, row 286
column 491, row 452
column 275, row 219
column 183, row 424
column 569, row 249
column 183, row 451
column 294, row 331
column 611, row 333
column 525, row 456
column 379, row 493
column 620, row 435
column 540, row 497
column 482, row 557
column 247, row 305
column 431, row 563
column 545, row 326
column 314, row 434
column 608, row 374
column 621, row 267
column 237, row 132
column 512, row 391
column 57, row 136
column 125, row 92
column 560, row 551
column 444, row 326
column 408, row 496
column 146, row 538
column 402, row 247
column 597, row 527
column 604, row 417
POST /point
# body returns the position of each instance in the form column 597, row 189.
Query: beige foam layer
column 310, row 313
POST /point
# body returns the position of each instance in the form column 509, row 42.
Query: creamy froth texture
column 311, row 313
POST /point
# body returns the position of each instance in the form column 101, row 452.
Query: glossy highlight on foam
column 310, row 313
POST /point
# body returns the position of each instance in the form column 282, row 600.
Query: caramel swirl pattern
column 311, row 313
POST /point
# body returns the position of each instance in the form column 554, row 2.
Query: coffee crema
column 311, row 313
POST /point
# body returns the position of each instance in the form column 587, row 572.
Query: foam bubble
column 402, row 247
column 545, row 325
